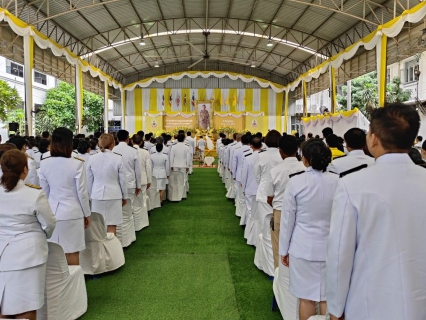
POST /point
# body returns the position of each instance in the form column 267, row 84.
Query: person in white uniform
column 107, row 183
column 275, row 186
column 355, row 140
column 376, row 253
column 83, row 150
column 179, row 161
column 147, row 144
column 160, row 169
column 43, row 147
column 63, row 179
column 201, row 144
column 305, row 225
column 268, row 159
column 191, row 144
column 237, row 168
column 26, row 222
column 32, row 176
column 94, row 146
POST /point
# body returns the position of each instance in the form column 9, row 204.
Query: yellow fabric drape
column 153, row 104
column 382, row 70
column 279, row 110
column 138, row 109
column 217, row 103
column 232, row 100
column 202, row 94
column 333, row 89
column 249, row 100
column 167, row 104
column 264, row 101
column 286, row 112
column 305, row 99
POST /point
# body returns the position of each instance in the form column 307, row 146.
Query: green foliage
column 18, row 116
column 59, row 109
column 365, row 95
column 9, row 100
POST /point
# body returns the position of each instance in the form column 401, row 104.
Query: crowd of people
column 50, row 185
column 344, row 217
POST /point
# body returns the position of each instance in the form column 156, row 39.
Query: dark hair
column 189, row 133
column 245, row 139
column 137, row 139
column 18, row 141
column 310, row 135
column 355, row 138
column 83, row 145
column 140, row 133
column 415, row 156
column 419, row 138
column 32, row 142
column 12, row 164
column 6, row 147
column 256, row 142
column 396, row 126
column 317, row 136
column 98, row 134
column 332, row 141
column 317, row 154
column 289, row 145
column 327, row 131
column 181, row 137
column 75, row 143
column 122, row 135
column 424, row 145
column 272, row 139
column 43, row 145
column 94, row 143
column 181, row 132
column 45, row 134
column 61, row 143
column 159, row 147
column 259, row 134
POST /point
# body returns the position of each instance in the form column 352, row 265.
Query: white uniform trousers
column 126, row 231
column 140, row 210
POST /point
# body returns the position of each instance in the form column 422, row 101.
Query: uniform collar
column 20, row 183
column 291, row 160
column 122, row 142
column 397, row 158
column 356, row 153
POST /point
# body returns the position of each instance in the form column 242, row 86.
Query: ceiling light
column 253, row 65
column 270, row 44
column 142, row 43
column 156, row 64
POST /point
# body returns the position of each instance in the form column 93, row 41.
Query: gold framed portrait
column 204, row 114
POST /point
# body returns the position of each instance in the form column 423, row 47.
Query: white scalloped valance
column 254, row 115
column 184, row 115
column 230, row 114
column 153, row 115
column 347, row 116
column 24, row 30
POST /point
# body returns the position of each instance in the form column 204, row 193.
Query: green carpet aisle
column 191, row 263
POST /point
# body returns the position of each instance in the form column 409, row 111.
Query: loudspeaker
column 13, row 126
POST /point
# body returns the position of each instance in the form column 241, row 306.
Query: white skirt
column 70, row 235
column 161, row 184
column 111, row 210
column 307, row 279
column 22, row 290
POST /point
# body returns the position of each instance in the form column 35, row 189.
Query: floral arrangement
column 243, row 131
column 185, row 129
column 160, row 132
column 226, row 130
column 293, row 132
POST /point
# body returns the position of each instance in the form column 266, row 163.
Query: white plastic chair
column 154, row 195
column 103, row 251
column 264, row 256
column 66, row 296
column 140, row 211
column 126, row 231
column 251, row 233
column 288, row 303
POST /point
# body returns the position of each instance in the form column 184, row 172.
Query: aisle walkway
column 191, row 263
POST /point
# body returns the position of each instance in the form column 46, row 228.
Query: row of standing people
column 345, row 229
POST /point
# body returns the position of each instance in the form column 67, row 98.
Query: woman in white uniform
column 160, row 168
column 83, row 150
column 63, row 179
column 107, row 184
column 26, row 222
column 305, row 225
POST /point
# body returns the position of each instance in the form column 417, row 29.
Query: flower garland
column 185, row 129
column 226, row 130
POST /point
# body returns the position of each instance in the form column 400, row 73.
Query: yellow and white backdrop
column 155, row 109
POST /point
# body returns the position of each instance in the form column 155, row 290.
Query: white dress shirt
column 65, row 184
column 279, row 177
column 354, row 159
column 201, row 144
column 376, row 258
column 131, row 165
column 179, row 156
column 238, row 162
column 191, row 142
column 306, row 213
column 267, row 160
column 145, row 165
column 106, row 178
column 32, row 176
column 232, row 163
column 160, row 165
column 248, row 179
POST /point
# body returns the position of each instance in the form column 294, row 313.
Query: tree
column 18, row 116
column 59, row 109
column 9, row 100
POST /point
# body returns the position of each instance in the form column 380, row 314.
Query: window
column 40, row 78
column 14, row 69
column 409, row 71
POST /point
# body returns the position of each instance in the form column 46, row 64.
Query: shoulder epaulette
column 296, row 174
column 75, row 151
column 333, row 172
column 353, row 170
column 117, row 153
column 135, row 148
column 263, row 150
column 33, row 186
column 78, row 158
column 339, row 157
column 30, row 157
column 44, row 158
column 248, row 154
column 36, row 151
column 246, row 150
column 423, row 165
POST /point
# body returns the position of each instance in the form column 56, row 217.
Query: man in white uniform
column 237, row 166
column 201, row 144
column 376, row 248
column 179, row 162
column 32, row 176
column 133, row 175
column 147, row 144
column 191, row 144
column 355, row 142
column 232, row 167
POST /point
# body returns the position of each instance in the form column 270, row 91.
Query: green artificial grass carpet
column 192, row 262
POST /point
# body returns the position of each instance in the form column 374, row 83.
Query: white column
column 106, row 96
column 349, row 95
column 123, row 109
column 28, row 83
column 79, row 97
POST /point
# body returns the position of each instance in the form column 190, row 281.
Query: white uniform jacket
column 64, row 182
column 354, row 159
column 248, row 179
column 166, row 150
column 267, row 160
column 145, row 165
column 30, row 152
column 32, row 177
column 179, row 156
column 201, row 144
column 131, row 165
column 306, row 213
column 232, row 165
column 237, row 162
column 228, row 155
column 84, row 156
column 376, row 258
column 92, row 152
column 160, row 165
column 279, row 177
column 105, row 174
column 191, row 143
column 147, row 145
column 26, row 221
